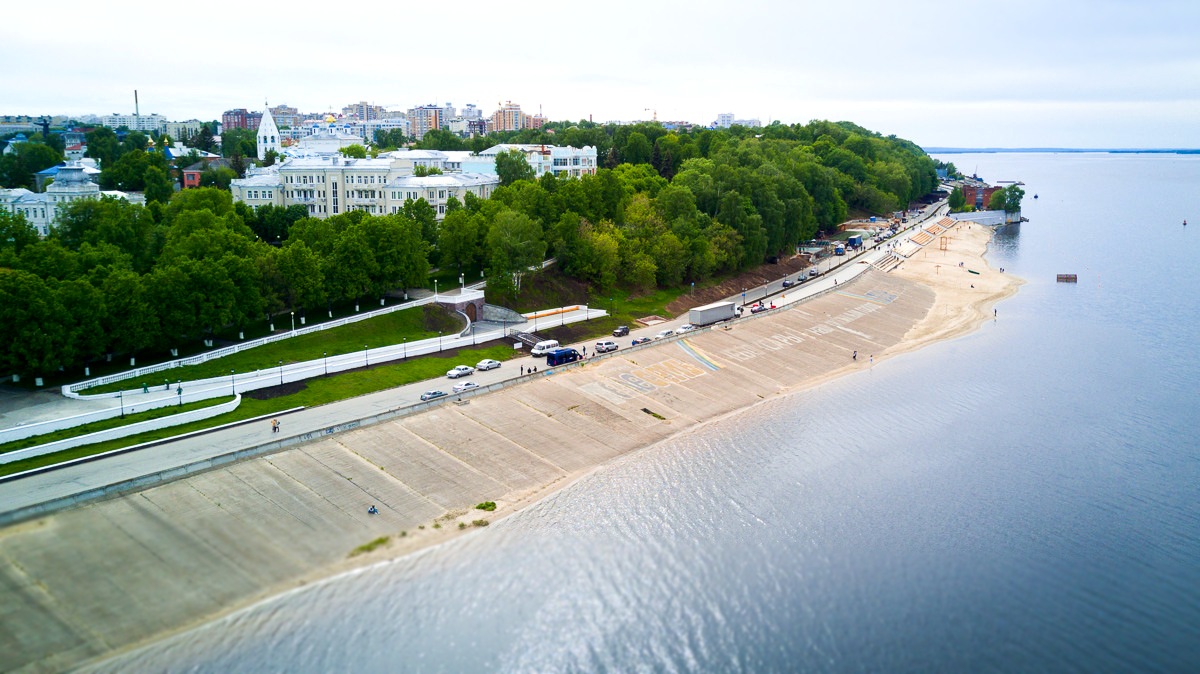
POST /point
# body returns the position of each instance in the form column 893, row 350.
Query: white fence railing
column 121, row 431
column 72, row 390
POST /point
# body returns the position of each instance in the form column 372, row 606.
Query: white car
column 465, row 386
column 606, row 345
column 430, row 395
column 686, row 327
column 460, row 371
column 664, row 334
column 487, row 364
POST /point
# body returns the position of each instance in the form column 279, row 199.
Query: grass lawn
column 384, row 330
column 317, row 391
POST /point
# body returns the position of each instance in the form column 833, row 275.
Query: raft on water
column 1068, row 278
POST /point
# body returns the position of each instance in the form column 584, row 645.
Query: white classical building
column 330, row 184
column 70, row 184
column 570, row 161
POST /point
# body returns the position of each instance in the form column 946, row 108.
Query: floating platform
column 1068, row 278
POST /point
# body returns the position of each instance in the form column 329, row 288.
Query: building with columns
column 70, row 184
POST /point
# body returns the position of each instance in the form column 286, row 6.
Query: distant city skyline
column 1024, row 74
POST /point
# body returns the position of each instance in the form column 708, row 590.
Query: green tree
column 17, row 169
column 303, row 279
column 512, row 166
column 159, row 186
column 458, row 240
column 354, row 151
column 515, row 244
column 637, row 149
column 957, row 200
column 103, row 146
column 15, row 233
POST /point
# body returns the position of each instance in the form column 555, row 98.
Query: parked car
column 465, row 386
column 606, row 345
column 640, row 340
column 663, row 334
column 460, row 371
column 758, row 308
column 430, row 395
column 788, row 283
column 487, row 364
column 686, row 327
column 621, row 331
column 813, row 272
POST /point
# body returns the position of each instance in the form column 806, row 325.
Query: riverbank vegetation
column 669, row 208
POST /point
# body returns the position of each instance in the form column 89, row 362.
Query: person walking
column 274, row 425
column 855, row 356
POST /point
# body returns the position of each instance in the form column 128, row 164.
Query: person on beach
column 855, row 356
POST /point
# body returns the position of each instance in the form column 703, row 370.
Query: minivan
column 562, row 356
column 542, row 348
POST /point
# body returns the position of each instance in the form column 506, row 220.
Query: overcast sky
column 1062, row 73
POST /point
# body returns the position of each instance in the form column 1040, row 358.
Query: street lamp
column 232, row 387
column 439, row 340
column 325, row 357
column 281, row 373
column 462, row 282
column 743, row 297
column 179, row 392
column 121, row 395
column 366, row 357
column 293, row 321
column 435, row 293
column 404, row 350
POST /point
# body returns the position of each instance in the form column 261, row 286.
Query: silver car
column 460, row 371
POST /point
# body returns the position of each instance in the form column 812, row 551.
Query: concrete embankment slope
column 79, row 584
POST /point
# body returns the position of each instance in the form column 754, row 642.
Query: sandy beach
column 84, row 584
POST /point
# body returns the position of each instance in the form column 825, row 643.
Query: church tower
column 268, row 135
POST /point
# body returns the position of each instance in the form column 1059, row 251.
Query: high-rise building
column 508, row 118
column 424, row 119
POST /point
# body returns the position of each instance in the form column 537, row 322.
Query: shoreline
column 936, row 314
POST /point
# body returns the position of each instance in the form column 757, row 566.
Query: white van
column 542, row 348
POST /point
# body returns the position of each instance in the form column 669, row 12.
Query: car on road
column 460, row 371
column 788, row 283
column 487, row 364
column 686, row 327
column 757, row 308
column 813, row 273
column 430, row 395
column 605, row 345
column 640, row 340
column 663, row 334
column 621, row 331
column 465, row 386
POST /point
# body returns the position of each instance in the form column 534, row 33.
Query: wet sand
column 84, row 584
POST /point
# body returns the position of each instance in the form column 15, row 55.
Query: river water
column 1026, row 498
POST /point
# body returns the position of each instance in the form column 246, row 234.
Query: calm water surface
column 1022, row 499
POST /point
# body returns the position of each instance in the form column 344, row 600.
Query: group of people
column 274, row 425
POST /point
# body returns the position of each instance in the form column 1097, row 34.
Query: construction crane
column 652, row 111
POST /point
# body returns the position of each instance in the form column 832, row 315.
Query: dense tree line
column 667, row 208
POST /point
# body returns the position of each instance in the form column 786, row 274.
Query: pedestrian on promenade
column 855, row 356
column 522, row 369
column 274, row 425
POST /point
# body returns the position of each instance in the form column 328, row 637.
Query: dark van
column 562, row 357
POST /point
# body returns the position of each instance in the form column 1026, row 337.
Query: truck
column 839, row 249
column 712, row 313
column 854, row 241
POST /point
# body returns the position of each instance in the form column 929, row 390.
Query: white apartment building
column 144, row 123
column 70, row 184
column 182, row 130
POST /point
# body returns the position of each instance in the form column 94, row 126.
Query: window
column 441, row 194
column 431, row 195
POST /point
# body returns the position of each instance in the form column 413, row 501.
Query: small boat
column 1035, row 196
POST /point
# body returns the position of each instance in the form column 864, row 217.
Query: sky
column 1048, row 73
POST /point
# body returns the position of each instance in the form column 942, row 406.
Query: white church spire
column 268, row 134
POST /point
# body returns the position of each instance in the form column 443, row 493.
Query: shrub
column 486, row 505
column 480, row 523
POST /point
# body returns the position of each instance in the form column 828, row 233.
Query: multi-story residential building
column 724, row 120
column 471, row 112
column 363, row 111
column 286, row 116
column 182, row 130
column 240, row 118
column 508, row 118
column 70, row 184
column 143, row 123
column 424, row 119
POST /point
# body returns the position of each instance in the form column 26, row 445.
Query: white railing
column 121, row 431
column 72, row 390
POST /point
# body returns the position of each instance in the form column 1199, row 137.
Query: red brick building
column 240, row 119
column 978, row 195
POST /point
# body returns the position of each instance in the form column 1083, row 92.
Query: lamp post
column 293, row 321
column 325, row 357
column 121, row 395
column 462, row 283
column 404, row 350
column 366, row 356
column 281, row 373
column 435, row 293
column 743, row 297
column 179, row 392
column 439, row 340
column 232, row 387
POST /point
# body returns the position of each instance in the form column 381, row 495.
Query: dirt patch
column 729, row 287
column 275, row 391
